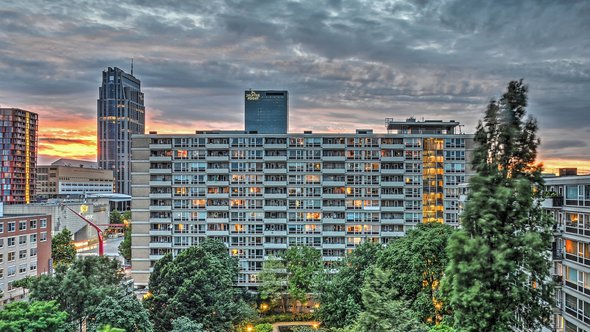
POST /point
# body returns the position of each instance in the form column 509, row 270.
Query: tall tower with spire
column 120, row 114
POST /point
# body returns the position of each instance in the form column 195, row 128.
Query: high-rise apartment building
column 267, row 112
column 570, row 207
column 18, row 153
column 262, row 193
column 121, row 113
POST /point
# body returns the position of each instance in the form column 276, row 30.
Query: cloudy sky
column 347, row 64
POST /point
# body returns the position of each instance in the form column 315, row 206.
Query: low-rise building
column 25, row 250
column 72, row 179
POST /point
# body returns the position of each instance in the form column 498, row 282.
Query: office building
column 121, row 113
column 95, row 209
column 18, row 150
column 25, row 250
column 262, row 193
column 570, row 207
column 72, row 180
column 267, row 112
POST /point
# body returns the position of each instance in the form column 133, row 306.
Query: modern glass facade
column 267, row 112
column 260, row 194
column 18, row 152
column 121, row 113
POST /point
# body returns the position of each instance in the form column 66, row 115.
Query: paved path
column 275, row 326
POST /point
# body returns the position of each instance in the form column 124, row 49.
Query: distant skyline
column 346, row 64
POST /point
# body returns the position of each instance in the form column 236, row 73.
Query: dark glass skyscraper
column 267, row 112
column 121, row 113
column 18, row 155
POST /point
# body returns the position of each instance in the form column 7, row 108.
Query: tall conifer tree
column 498, row 273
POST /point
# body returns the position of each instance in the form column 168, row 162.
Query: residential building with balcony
column 570, row 207
column 261, row 193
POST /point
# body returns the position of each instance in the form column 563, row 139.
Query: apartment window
column 33, row 224
column 33, row 266
column 11, row 241
column 33, row 252
column 1, row 273
column 12, row 226
column 11, row 271
column 22, row 268
column 22, row 225
column 43, row 237
column 1, row 227
column 33, row 238
column 1, row 258
column 43, row 223
column 22, row 239
column 22, row 254
column 11, row 256
column 1, row 243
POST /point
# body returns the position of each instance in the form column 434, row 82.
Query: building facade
column 120, row 114
column 262, row 193
column 94, row 209
column 570, row 207
column 25, row 250
column 72, row 182
column 18, row 150
column 267, row 112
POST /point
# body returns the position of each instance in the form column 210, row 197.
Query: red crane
column 98, row 230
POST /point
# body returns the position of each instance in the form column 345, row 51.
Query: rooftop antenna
column 131, row 66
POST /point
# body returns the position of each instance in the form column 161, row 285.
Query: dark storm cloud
column 348, row 63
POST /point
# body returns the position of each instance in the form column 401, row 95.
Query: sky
column 346, row 64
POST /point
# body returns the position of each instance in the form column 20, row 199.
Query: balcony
column 271, row 208
column 269, row 245
column 275, row 171
column 275, row 195
column 160, row 158
column 160, row 195
column 276, row 233
column 332, row 183
column 160, row 208
column 160, row 171
column 217, row 158
column 557, row 255
column 393, row 196
column 217, row 208
column 160, row 146
column 217, row 171
column 552, row 202
column 333, row 246
column 392, row 208
column 334, row 196
column 275, row 158
column 393, row 159
column 333, row 158
column 217, row 233
column 334, row 233
column 275, row 183
column 392, row 234
column 161, row 183
column 160, row 232
column 275, row 220
column 393, row 184
column 399, row 171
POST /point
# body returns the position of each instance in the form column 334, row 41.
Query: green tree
column 121, row 310
column 109, row 328
column 198, row 284
column 442, row 328
column 383, row 312
column 266, row 327
column 304, row 266
column 36, row 316
column 498, row 272
column 125, row 245
column 273, row 282
column 126, row 216
column 416, row 264
column 115, row 217
column 63, row 250
column 183, row 324
column 339, row 294
column 80, row 287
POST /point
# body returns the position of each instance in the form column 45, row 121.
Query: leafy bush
column 265, row 327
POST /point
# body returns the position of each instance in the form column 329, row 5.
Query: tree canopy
column 197, row 284
column 497, row 276
column 340, row 293
column 304, row 265
column 36, row 316
column 62, row 248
